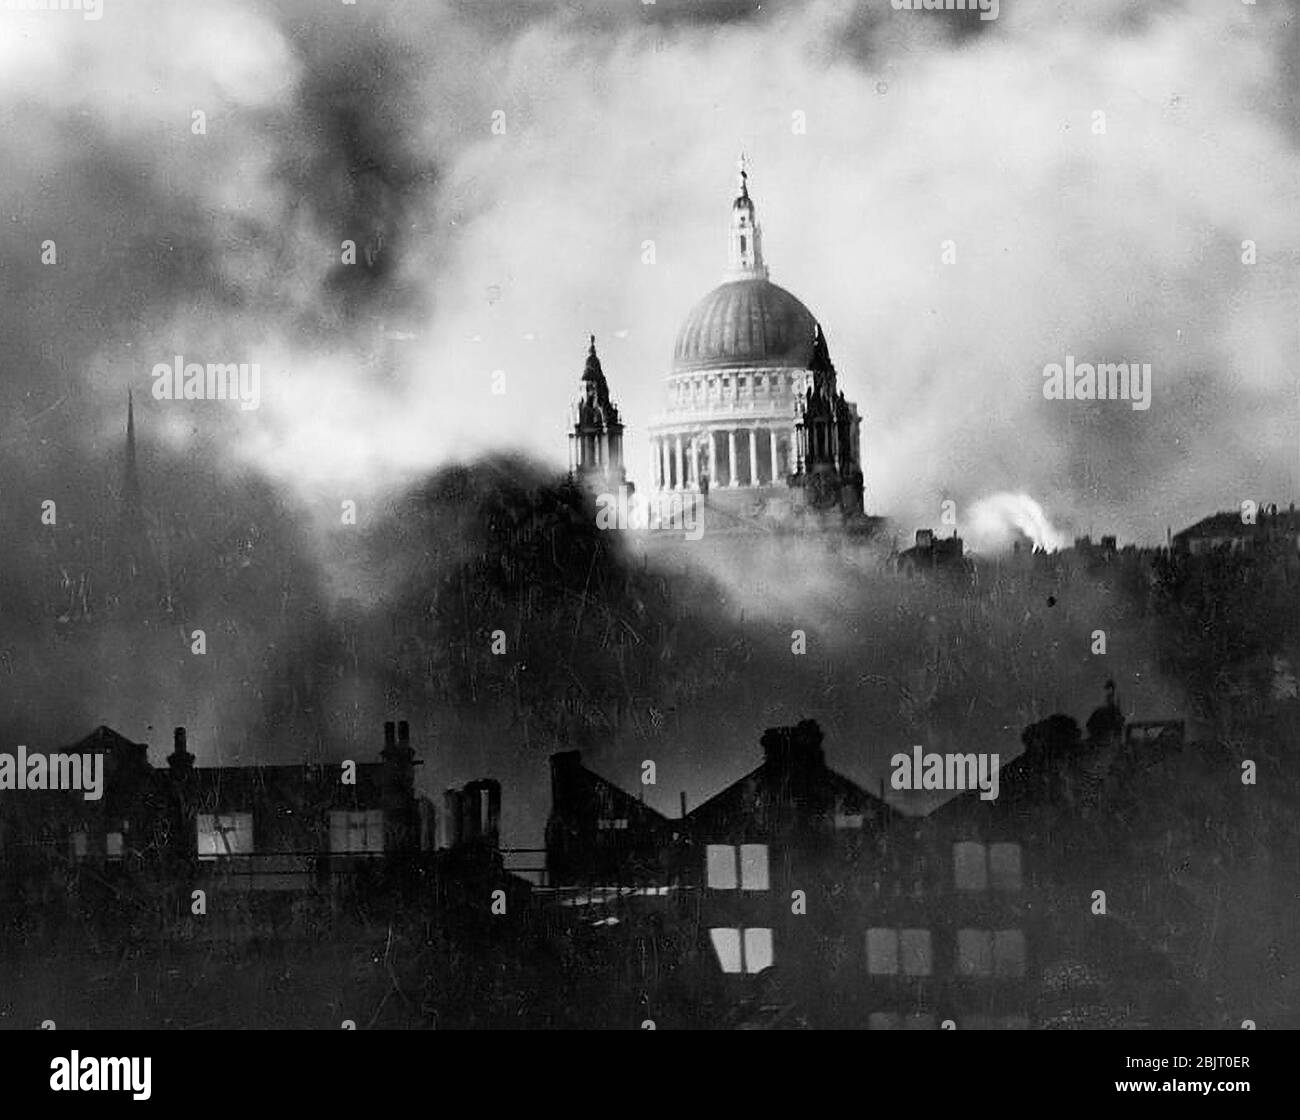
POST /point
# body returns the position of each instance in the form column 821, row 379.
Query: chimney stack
column 403, row 733
column 180, row 759
column 390, row 738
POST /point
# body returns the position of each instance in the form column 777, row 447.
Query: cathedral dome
column 749, row 322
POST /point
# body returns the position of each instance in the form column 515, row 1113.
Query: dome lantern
column 745, row 243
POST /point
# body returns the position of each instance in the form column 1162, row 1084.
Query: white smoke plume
column 999, row 520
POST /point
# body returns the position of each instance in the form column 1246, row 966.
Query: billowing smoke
column 410, row 215
column 997, row 522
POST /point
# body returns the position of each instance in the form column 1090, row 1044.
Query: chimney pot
column 178, row 740
column 404, row 733
column 389, row 733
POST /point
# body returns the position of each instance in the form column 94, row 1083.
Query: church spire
column 130, row 479
column 745, row 244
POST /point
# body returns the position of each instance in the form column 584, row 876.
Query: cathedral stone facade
column 755, row 424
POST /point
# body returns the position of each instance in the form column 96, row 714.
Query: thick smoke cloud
column 501, row 252
column 479, row 252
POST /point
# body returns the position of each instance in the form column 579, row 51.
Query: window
column 80, row 844
column 113, row 845
column 721, row 867
column 753, row 867
column 882, row 952
column 224, row 834
column 890, row 952
column 976, row 867
column 743, row 950
column 726, row 943
column 1004, row 866
column 983, row 952
column 724, row 873
column 357, row 831
column 969, row 870
column 758, row 949
column 974, row 952
column 848, row 820
column 606, row 824
column 882, row 1021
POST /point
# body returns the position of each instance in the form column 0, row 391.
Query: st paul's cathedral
column 754, row 425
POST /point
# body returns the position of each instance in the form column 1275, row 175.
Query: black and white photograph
column 536, row 515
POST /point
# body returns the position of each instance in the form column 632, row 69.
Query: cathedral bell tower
column 827, row 433
column 596, row 435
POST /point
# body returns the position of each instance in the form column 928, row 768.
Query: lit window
column 80, row 845
column 1009, row 953
column 758, row 949
column 882, row 1021
column 969, row 869
column 726, row 943
column 848, row 820
column 357, row 831
column 721, row 867
column 747, row 950
column 224, row 834
column 914, row 952
column 753, row 867
column 1004, row 866
column 974, row 952
column 882, row 952
column 113, row 845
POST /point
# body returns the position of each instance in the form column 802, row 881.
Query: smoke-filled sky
column 622, row 124
column 482, row 251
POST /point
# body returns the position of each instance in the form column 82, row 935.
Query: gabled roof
column 736, row 802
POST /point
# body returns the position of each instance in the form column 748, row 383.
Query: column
column 681, row 485
column 665, row 467
column 771, row 447
column 753, row 456
column 713, row 460
column 694, row 473
column 731, row 458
